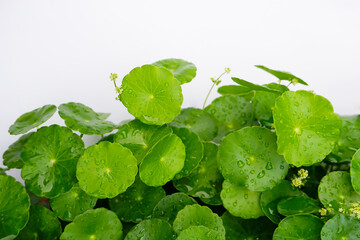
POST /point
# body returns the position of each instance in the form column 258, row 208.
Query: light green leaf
column 254, row 87
column 137, row 203
column 183, row 71
column 151, row 94
column 234, row 90
column 282, row 75
column 248, row 158
column 84, row 119
column 32, row 119
column 164, row 161
column 14, row 207
column 50, row 157
column 97, row 223
column 241, row 202
column 306, row 126
column 106, row 170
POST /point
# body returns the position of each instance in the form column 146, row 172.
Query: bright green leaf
column 234, row 90
column 297, row 204
column 199, row 233
column 282, row 75
column 106, row 170
column 306, row 126
column 183, row 71
column 50, row 157
column 151, row 94
column 164, row 161
column 254, row 87
column 248, row 157
column 355, row 171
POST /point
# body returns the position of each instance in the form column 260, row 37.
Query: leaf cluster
column 258, row 162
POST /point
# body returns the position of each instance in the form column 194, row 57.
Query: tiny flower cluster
column 300, row 180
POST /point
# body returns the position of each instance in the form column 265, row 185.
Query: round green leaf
column 14, row 207
column 140, row 138
column 349, row 140
column 151, row 229
column 97, row 223
column 297, row 204
column 32, row 119
column 197, row 121
column 183, row 71
column 193, row 148
column 355, row 171
column 238, row 228
column 270, row 199
column 137, row 203
column 341, row 227
column 106, row 170
column 231, row 112
column 84, row 119
column 196, row 215
column 11, row 156
column 241, row 202
column 72, row 203
column 264, row 102
column 42, row 224
column 336, row 191
column 282, row 75
column 151, row 94
column 306, row 126
column 50, row 157
column 301, row 226
column 168, row 207
column 199, row 233
column 164, row 161
column 205, row 180
column 248, row 157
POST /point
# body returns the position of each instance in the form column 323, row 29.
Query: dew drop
column 268, row 166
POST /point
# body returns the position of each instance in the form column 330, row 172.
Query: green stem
column 207, row 96
column 215, row 81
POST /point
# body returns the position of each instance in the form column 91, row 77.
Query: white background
column 64, row 50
